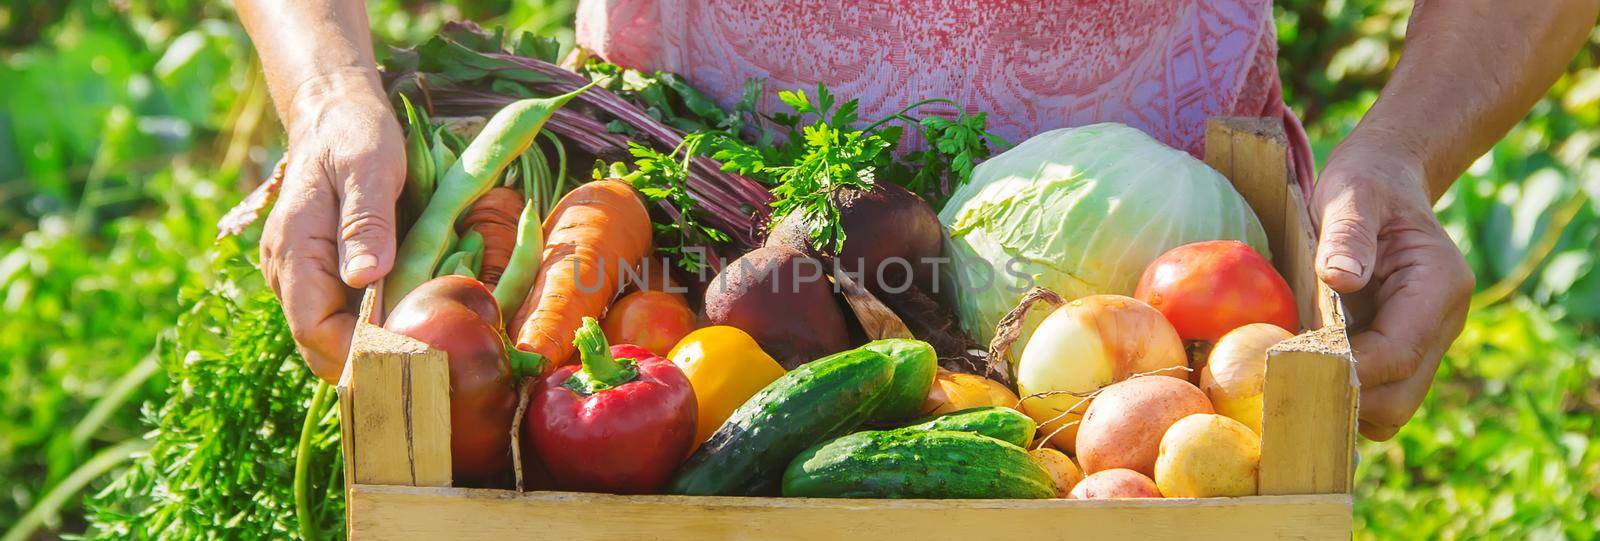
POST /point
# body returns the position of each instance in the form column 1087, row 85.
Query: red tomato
column 653, row 320
column 1209, row 288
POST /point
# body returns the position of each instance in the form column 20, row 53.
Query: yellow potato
column 1206, row 455
column 1061, row 469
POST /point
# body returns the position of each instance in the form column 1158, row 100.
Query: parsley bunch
column 818, row 160
column 821, row 152
column 665, row 177
column 954, row 148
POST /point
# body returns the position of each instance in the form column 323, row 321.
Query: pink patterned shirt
column 1163, row 66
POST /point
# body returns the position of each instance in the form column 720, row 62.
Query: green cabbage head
column 1079, row 211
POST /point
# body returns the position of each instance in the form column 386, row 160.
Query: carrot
column 591, row 235
column 495, row 217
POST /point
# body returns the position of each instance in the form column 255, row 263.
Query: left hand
column 1382, row 245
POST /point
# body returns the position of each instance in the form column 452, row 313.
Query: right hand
column 1383, row 247
column 332, row 231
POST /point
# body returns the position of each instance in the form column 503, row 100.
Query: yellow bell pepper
column 726, row 368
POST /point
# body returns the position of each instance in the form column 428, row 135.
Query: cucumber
column 915, row 365
column 906, row 463
column 998, row 422
column 816, row 401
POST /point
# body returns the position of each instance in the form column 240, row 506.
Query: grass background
column 127, row 127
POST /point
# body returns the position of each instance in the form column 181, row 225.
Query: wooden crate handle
column 1309, row 407
column 394, row 397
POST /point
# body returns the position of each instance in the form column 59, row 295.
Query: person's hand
column 333, row 226
column 1382, row 247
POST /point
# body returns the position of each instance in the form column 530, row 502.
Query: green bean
column 523, row 267
column 443, row 157
column 528, row 253
column 472, row 242
column 421, row 173
column 458, row 264
column 506, row 136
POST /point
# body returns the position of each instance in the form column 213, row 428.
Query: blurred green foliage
column 1504, row 447
column 127, row 127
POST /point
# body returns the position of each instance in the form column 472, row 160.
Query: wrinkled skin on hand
column 332, row 230
column 1409, row 286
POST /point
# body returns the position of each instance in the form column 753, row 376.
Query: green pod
column 812, row 403
column 472, row 244
column 443, row 157
column 998, row 422
column 523, row 267
column 917, row 464
column 505, row 137
column 421, row 166
column 457, row 264
column 915, row 366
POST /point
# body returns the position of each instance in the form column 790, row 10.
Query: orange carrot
column 591, row 235
column 494, row 215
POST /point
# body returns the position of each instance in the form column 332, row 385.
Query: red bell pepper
column 620, row 422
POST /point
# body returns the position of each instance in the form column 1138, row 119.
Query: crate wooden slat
column 394, row 399
column 395, row 413
column 1309, row 409
column 401, row 513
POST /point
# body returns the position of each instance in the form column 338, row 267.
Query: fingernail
column 360, row 263
column 1347, row 264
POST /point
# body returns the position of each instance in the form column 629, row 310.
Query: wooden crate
column 394, row 406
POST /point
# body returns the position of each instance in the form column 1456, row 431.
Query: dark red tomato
column 653, row 320
column 483, row 400
column 462, row 290
column 1209, row 288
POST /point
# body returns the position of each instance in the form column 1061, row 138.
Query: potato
column 1115, row 483
column 1061, row 469
column 1123, row 426
column 1205, row 456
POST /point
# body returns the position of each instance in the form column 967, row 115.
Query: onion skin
column 1087, row 344
column 1235, row 375
column 1209, row 288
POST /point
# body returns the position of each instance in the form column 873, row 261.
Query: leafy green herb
column 954, row 148
column 222, row 461
column 818, row 160
column 665, row 177
column 825, row 153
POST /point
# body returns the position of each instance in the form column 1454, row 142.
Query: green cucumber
column 816, row 401
column 998, row 422
column 915, row 365
column 906, row 463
